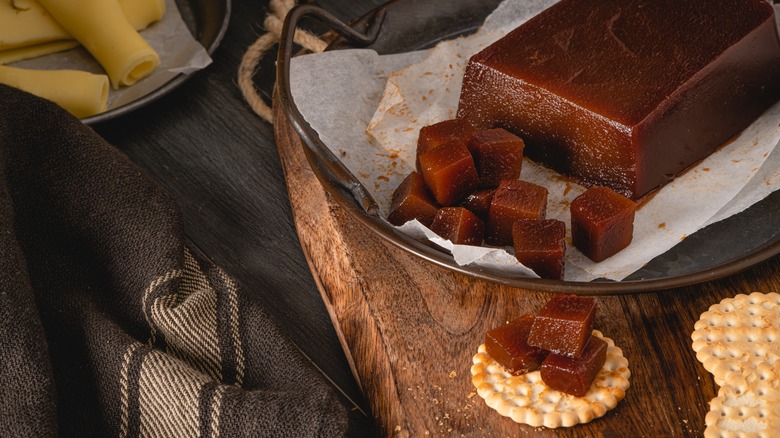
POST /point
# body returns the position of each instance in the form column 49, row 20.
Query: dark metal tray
column 717, row 251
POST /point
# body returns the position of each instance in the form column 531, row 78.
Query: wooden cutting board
column 410, row 328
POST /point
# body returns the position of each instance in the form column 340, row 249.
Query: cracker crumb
column 397, row 428
column 453, row 375
column 471, row 395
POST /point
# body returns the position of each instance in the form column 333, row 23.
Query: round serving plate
column 717, row 251
column 207, row 20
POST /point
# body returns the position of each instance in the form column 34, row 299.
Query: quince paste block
column 627, row 93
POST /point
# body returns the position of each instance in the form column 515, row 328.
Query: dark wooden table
column 204, row 145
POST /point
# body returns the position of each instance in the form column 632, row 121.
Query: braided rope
column 249, row 62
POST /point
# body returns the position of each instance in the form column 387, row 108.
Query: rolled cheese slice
column 101, row 27
column 80, row 93
column 141, row 13
column 28, row 52
column 30, row 24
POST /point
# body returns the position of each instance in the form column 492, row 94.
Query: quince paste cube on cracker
column 527, row 399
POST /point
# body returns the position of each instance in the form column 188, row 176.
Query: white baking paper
column 179, row 53
column 369, row 109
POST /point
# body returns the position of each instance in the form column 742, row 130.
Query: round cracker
column 746, row 405
column 738, row 333
column 528, row 400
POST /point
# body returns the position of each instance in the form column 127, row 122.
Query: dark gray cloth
column 109, row 325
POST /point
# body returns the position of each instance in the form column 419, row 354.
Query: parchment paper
column 179, row 53
column 368, row 109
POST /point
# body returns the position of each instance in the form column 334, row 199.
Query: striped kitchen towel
column 109, row 325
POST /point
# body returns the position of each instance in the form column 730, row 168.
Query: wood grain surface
column 410, row 328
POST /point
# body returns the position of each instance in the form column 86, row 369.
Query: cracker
column 527, row 399
column 738, row 333
column 746, row 405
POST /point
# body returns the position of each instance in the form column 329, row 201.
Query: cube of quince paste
column 564, row 325
column 507, row 345
column 575, row 375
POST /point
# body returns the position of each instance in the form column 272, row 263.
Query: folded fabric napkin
column 109, row 325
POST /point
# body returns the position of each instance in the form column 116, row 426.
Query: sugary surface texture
column 564, row 324
column 498, row 154
column 575, row 375
column 738, row 334
column 433, row 136
column 411, row 200
column 527, row 399
column 507, row 345
column 479, row 202
column 630, row 93
column 459, row 226
column 449, row 172
column 602, row 222
column 541, row 246
column 512, row 201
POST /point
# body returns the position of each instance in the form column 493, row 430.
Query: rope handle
column 274, row 22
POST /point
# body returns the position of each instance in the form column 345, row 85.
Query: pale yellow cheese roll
column 80, row 93
column 141, row 13
column 25, row 27
column 34, row 51
column 101, row 27
column 27, row 23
